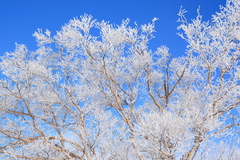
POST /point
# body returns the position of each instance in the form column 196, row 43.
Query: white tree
column 80, row 96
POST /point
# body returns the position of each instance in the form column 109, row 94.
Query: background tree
column 80, row 96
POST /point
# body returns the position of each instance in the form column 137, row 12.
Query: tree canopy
column 109, row 96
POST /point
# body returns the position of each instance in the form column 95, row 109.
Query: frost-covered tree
column 80, row 96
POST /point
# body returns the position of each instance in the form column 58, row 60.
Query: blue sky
column 19, row 19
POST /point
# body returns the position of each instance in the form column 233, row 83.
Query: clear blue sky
column 20, row 18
